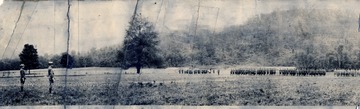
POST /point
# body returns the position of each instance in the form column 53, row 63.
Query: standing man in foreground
column 51, row 76
column 22, row 76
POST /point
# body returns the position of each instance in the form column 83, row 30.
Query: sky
column 97, row 24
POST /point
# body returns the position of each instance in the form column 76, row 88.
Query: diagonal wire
column 22, row 34
column 21, row 9
column 197, row 18
column 217, row 16
column 157, row 18
column 164, row 17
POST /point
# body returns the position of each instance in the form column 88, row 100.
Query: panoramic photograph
column 247, row 54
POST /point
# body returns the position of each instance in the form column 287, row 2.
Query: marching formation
column 347, row 73
column 199, row 71
column 302, row 72
column 285, row 72
column 253, row 72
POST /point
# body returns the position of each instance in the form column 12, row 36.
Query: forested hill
column 305, row 38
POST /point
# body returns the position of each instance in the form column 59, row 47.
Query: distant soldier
column 22, row 76
column 51, row 76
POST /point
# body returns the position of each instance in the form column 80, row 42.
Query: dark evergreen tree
column 29, row 57
column 67, row 60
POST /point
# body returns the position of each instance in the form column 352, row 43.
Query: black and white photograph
column 180, row 54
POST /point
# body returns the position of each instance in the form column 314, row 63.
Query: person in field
column 51, row 76
column 22, row 76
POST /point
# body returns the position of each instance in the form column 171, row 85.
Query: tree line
column 307, row 39
column 103, row 57
column 139, row 50
column 297, row 37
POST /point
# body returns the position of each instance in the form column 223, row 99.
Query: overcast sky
column 103, row 23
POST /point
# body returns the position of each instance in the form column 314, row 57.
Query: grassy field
column 167, row 87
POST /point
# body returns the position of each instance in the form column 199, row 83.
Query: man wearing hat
column 22, row 76
column 50, row 75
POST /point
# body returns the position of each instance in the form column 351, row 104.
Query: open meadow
column 168, row 87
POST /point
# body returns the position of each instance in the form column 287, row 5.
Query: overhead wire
column 197, row 18
column 164, row 17
column 217, row 16
column 157, row 18
column 22, row 34
column 11, row 36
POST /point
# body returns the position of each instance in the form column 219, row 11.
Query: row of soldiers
column 50, row 76
column 198, row 71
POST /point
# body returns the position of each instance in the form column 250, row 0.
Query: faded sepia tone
column 209, row 52
column 111, row 19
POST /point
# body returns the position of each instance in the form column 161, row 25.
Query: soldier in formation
column 22, row 76
column 51, row 76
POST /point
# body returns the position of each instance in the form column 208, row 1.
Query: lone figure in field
column 51, row 76
column 22, row 76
